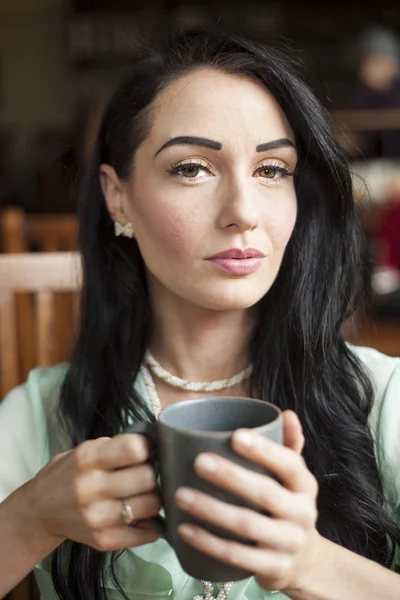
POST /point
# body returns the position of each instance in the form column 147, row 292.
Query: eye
column 190, row 170
column 272, row 172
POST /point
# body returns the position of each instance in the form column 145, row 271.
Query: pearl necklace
column 156, row 405
column 194, row 386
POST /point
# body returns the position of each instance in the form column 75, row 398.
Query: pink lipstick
column 238, row 261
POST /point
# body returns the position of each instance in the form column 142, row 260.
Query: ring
column 127, row 513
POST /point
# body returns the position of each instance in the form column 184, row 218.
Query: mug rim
column 227, row 432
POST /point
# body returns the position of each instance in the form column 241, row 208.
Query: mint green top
column 30, row 435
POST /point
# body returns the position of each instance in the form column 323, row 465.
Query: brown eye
column 268, row 172
column 190, row 171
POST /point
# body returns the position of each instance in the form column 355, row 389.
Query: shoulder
column 384, row 420
column 44, row 384
column 40, row 391
column 384, row 374
column 34, row 404
column 374, row 360
column 379, row 367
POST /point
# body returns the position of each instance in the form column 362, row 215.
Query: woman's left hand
column 287, row 541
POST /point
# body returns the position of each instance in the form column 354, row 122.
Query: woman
column 218, row 233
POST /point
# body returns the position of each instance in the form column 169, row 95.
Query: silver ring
column 127, row 513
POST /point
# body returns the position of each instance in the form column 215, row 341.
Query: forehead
column 214, row 104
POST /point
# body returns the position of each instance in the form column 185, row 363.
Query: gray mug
column 183, row 431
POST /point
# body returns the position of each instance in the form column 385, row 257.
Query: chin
column 232, row 299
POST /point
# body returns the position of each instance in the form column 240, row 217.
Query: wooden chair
column 42, row 275
column 22, row 232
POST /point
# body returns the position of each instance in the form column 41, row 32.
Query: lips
column 237, row 261
column 238, row 254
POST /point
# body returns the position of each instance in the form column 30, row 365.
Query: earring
column 123, row 230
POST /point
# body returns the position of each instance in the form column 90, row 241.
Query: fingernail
column 244, row 438
column 206, row 463
column 186, row 531
column 185, row 496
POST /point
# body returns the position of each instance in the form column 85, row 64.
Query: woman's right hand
column 79, row 494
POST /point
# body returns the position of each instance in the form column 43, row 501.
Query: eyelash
column 176, row 170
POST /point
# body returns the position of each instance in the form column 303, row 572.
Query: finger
column 292, row 431
column 258, row 489
column 121, row 451
column 120, row 483
column 108, row 513
column 276, row 534
column 259, row 561
column 120, row 537
column 287, row 465
column 131, row 481
column 61, row 455
column 143, row 506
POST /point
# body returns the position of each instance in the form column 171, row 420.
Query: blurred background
column 61, row 59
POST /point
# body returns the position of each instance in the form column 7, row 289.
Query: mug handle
column 150, row 431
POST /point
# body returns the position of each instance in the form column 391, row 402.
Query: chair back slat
column 58, row 271
column 45, row 327
column 48, row 286
column 9, row 368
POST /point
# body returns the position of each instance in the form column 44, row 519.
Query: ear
column 113, row 193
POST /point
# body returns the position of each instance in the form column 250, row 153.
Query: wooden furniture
column 20, row 232
column 41, row 275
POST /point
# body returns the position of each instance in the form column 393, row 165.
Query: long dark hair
column 300, row 359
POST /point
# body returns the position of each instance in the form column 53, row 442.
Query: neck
column 199, row 344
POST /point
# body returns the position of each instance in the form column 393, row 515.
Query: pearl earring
column 123, row 230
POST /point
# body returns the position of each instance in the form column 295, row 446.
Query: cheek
column 172, row 229
column 282, row 224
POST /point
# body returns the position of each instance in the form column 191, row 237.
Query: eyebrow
column 274, row 144
column 189, row 140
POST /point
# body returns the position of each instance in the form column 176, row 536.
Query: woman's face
column 214, row 175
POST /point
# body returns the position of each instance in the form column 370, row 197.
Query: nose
column 238, row 207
